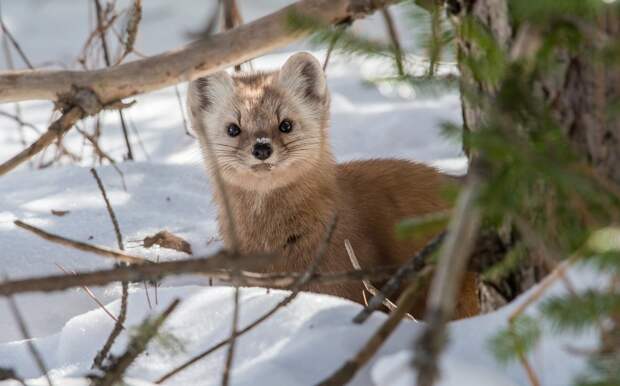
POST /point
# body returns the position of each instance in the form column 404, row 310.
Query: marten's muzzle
column 262, row 150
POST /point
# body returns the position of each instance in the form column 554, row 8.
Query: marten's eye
column 286, row 126
column 233, row 130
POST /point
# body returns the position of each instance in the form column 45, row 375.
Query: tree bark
column 579, row 96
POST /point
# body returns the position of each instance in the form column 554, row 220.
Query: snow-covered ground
column 167, row 189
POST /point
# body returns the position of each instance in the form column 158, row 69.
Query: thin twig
column 232, row 18
column 56, row 130
column 148, row 297
column 102, row 32
column 21, row 323
column 347, row 371
column 90, row 295
column 529, row 370
column 149, row 329
column 117, row 230
column 102, row 154
column 10, row 374
column 157, row 282
column 11, row 38
column 82, row 246
column 233, row 339
column 221, row 190
column 332, row 45
column 116, row 330
column 211, row 23
column 391, row 28
column 129, row 155
column 414, row 264
column 131, row 31
column 390, row 305
column 299, row 284
column 17, row 118
column 182, row 110
column 556, row 274
column 136, row 134
column 7, row 38
column 108, row 63
column 118, row 326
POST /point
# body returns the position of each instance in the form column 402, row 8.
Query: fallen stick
column 82, row 246
column 214, row 267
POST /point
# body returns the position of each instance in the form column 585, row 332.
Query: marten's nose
column 262, row 151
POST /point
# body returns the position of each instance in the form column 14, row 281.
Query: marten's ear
column 204, row 93
column 303, row 75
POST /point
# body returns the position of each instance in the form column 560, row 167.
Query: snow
column 468, row 360
column 167, row 189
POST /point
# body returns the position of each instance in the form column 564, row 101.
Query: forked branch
column 197, row 59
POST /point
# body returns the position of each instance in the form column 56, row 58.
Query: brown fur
column 286, row 205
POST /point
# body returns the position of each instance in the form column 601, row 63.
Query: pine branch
column 146, row 332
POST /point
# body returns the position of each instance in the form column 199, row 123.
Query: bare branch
column 98, row 250
column 9, row 36
column 182, row 111
column 346, row 372
column 367, row 284
column 90, row 295
column 232, row 340
column 118, row 326
column 462, row 231
column 200, row 58
column 117, row 230
column 116, row 330
column 17, row 118
column 232, row 18
column 332, row 45
column 391, row 29
column 21, row 323
column 210, row 265
column 414, row 264
column 543, row 286
column 107, row 60
column 299, row 284
column 56, row 130
column 205, row 266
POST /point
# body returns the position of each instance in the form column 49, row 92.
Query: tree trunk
column 579, row 96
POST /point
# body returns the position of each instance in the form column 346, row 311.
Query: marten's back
column 381, row 193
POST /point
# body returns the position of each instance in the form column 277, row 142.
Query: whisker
column 224, row 145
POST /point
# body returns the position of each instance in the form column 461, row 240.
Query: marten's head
column 264, row 130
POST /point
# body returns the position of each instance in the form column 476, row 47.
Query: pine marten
column 270, row 136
